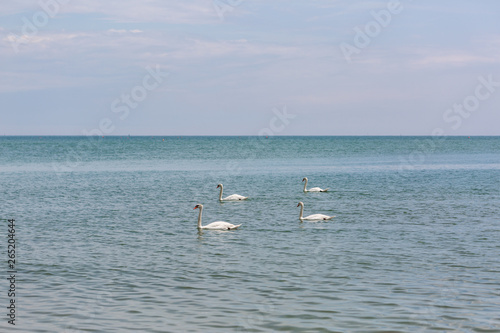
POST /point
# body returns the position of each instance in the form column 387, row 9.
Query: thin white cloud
column 116, row 41
column 480, row 51
column 191, row 12
column 454, row 59
column 116, row 49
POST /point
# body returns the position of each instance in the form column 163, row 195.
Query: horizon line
column 245, row 135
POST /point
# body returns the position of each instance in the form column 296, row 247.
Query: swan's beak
column 298, row 205
column 195, row 207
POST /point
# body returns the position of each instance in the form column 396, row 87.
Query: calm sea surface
column 107, row 238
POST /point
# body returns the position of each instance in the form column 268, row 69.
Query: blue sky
column 228, row 67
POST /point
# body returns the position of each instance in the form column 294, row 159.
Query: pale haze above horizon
column 242, row 67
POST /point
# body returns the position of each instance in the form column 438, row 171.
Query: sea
column 106, row 236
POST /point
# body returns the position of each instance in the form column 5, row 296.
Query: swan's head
column 198, row 206
column 300, row 204
column 304, row 179
column 220, row 185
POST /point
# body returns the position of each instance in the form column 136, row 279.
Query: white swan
column 314, row 217
column 232, row 197
column 218, row 225
column 314, row 189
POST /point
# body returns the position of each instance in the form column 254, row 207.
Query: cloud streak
column 174, row 12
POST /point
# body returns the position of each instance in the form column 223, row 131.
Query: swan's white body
column 314, row 217
column 232, row 197
column 217, row 225
column 314, row 189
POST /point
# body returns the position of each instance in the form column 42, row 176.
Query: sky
column 249, row 67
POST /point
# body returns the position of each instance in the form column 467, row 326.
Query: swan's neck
column 220, row 194
column 301, row 212
column 199, row 218
column 305, row 185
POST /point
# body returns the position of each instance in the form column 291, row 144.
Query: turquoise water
column 107, row 238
